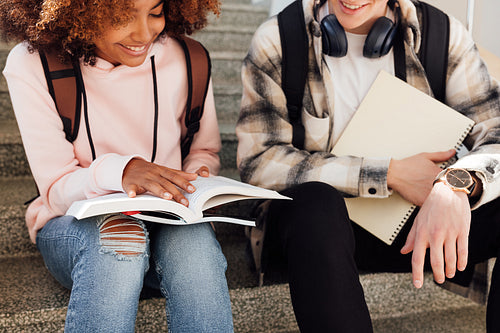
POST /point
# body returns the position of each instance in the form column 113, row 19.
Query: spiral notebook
column 396, row 120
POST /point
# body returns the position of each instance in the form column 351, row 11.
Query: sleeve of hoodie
column 472, row 91
column 60, row 177
column 266, row 156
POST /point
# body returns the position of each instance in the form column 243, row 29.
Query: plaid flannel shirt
column 267, row 158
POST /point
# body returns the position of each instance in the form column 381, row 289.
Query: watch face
column 458, row 178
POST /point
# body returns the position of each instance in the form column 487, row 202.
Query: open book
column 396, row 120
column 210, row 192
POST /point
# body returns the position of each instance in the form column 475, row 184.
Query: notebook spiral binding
column 460, row 147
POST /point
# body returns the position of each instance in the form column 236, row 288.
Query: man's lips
column 351, row 6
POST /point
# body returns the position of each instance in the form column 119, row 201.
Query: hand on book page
column 140, row 176
column 442, row 225
column 412, row 177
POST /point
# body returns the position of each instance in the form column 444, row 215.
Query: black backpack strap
column 198, row 72
column 399, row 47
column 294, row 65
column 434, row 49
column 65, row 90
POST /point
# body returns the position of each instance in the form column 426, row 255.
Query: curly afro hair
column 71, row 26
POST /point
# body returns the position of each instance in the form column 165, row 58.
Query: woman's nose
column 142, row 32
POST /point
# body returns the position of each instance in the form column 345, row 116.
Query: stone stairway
column 32, row 301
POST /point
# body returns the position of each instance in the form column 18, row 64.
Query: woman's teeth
column 135, row 48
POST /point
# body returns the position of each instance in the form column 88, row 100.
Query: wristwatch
column 457, row 179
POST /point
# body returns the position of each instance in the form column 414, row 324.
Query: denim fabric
column 186, row 261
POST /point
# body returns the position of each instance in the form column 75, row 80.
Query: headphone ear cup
column 333, row 38
column 380, row 38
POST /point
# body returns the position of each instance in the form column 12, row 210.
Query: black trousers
column 314, row 242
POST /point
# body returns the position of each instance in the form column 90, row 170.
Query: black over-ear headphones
column 377, row 44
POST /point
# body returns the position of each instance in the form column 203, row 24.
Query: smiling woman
column 128, row 44
column 129, row 61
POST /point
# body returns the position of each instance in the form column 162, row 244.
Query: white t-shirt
column 352, row 76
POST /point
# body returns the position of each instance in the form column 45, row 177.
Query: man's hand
column 412, row 177
column 442, row 225
column 140, row 176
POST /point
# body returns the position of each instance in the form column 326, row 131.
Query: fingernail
column 184, row 202
column 191, row 188
column 417, row 284
column 167, row 195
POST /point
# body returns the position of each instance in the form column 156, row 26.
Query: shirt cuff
column 373, row 178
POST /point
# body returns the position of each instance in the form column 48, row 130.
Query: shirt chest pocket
column 316, row 132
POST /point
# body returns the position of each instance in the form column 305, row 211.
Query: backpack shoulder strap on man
column 66, row 90
column 198, row 71
column 434, row 49
column 433, row 55
column 294, row 65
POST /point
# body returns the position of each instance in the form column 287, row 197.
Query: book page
column 157, row 218
column 216, row 190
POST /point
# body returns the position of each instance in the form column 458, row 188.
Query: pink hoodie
column 121, row 113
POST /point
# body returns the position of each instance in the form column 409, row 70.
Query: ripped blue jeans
column 104, row 261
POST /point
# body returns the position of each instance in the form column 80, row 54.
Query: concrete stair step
column 226, row 68
column 12, row 157
column 227, row 103
column 14, row 238
column 238, row 14
column 225, row 37
column 34, row 301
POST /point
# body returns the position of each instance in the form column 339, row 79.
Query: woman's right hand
column 140, row 176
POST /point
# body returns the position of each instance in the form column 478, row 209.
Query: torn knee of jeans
column 123, row 235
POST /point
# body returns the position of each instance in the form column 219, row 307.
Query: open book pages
column 210, row 192
column 396, row 120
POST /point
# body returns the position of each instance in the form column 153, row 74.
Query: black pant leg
column 484, row 243
column 314, row 235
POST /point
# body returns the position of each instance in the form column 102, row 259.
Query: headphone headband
column 378, row 41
